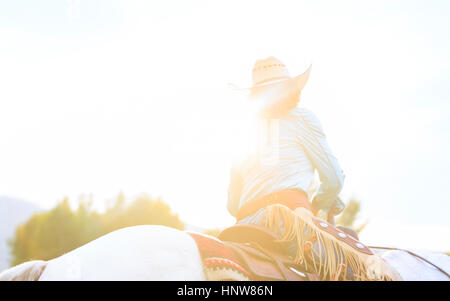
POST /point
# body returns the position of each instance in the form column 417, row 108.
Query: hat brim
column 299, row 81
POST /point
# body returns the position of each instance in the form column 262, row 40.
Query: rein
column 415, row 255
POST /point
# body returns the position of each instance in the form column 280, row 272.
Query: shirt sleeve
column 234, row 190
column 314, row 143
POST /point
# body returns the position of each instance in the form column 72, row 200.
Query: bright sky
column 98, row 97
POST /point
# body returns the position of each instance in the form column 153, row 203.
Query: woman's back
column 279, row 161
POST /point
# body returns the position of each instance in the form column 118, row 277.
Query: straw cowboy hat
column 271, row 71
column 276, row 92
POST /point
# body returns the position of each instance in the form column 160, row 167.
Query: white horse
column 162, row 253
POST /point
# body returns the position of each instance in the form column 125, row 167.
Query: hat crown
column 269, row 70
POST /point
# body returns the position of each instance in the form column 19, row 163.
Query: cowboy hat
column 271, row 71
column 275, row 91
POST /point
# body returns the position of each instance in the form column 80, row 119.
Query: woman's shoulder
column 305, row 115
column 302, row 112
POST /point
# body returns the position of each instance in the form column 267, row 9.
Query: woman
column 270, row 187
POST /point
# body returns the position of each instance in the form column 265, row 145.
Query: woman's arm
column 234, row 190
column 313, row 141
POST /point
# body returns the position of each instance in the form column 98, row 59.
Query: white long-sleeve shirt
column 290, row 150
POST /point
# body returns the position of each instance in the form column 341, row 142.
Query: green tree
column 142, row 211
column 349, row 216
column 52, row 233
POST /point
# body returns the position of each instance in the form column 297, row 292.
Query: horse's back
column 412, row 268
column 135, row 253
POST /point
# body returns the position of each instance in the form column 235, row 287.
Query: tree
column 349, row 216
column 50, row 234
column 142, row 211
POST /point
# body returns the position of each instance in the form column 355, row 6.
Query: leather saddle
column 263, row 254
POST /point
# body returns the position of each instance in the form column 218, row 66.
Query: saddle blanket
column 220, row 262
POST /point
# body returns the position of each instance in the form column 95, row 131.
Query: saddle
column 262, row 253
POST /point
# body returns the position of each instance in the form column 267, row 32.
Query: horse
column 160, row 253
